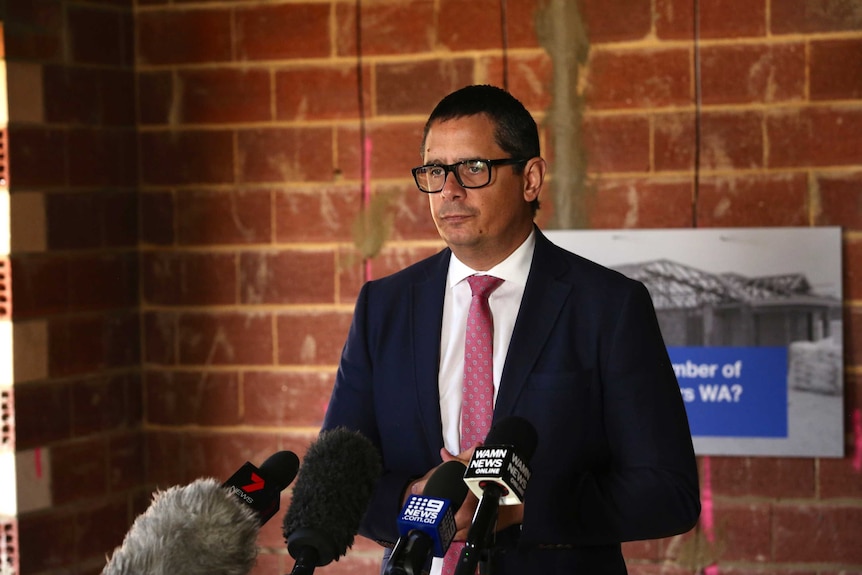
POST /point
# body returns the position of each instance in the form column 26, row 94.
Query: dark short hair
column 516, row 132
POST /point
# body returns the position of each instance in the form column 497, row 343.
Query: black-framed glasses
column 470, row 174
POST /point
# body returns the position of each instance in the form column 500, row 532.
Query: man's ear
column 534, row 178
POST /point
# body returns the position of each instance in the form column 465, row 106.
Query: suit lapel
column 427, row 304
column 543, row 299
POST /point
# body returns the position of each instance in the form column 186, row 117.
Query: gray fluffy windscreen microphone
column 195, row 529
column 331, row 494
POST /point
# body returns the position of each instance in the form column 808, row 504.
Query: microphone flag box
column 500, row 465
column 255, row 490
column 431, row 516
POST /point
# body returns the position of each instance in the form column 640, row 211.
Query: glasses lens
column 474, row 173
column 430, row 178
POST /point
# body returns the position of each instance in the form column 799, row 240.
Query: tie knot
column 482, row 286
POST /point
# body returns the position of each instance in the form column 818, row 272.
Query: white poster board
column 752, row 321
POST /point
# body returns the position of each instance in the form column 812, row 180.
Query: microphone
column 203, row 528
column 335, row 484
column 427, row 522
column 497, row 474
column 261, row 488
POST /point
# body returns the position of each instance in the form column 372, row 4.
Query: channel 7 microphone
column 205, row 527
column 426, row 525
column 335, row 484
column 497, row 474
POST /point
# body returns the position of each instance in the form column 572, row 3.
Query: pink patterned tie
column 477, row 405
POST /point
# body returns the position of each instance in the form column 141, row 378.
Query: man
column 577, row 352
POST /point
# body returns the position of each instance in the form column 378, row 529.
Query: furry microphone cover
column 195, row 529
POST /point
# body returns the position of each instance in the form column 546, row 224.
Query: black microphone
column 261, row 488
column 335, row 484
column 497, row 473
column 426, row 525
column 202, row 528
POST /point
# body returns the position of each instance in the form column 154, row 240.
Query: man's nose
column 451, row 188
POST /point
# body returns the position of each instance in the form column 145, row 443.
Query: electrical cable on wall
column 697, row 111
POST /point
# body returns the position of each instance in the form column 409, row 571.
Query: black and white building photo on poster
column 752, row 321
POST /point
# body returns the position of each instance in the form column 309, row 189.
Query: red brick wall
column 238, row 136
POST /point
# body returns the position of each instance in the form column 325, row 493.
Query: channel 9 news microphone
column 497, row 474
column 335, row 484
column 426, row 525
column 205, row 527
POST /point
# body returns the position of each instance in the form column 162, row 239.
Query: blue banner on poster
column 733, row 391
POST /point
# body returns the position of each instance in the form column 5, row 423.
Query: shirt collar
column 514, row 268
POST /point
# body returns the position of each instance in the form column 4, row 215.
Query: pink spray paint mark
column 706, row 511
column 857, row 440
column 37, row 462
column 366, row 192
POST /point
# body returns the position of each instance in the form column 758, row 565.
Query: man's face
column 482, row 226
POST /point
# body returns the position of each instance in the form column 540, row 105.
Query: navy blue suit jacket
column 586, row 365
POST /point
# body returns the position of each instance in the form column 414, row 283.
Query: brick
column 386, row 28
column 521, row 16
column 83, row 344
column 283, row 31
column 79, row 470
column 100, row 528
column 852, row 269
column 802, row 533
column 274, row 398
column 28, row 148
column 155, row 97
column 225, row 337
column 104, row 404
column 743, row 531
column 287, row 277
column 616, row 143
column 183, row 36
column 126, row 455
column 468, row 26
column 311, row 338
column 839, row 200
column 328, row 93
column 223, row 95
column 285, row 155
column 639, row 203
column 317, row 214
column 198, row 398
column 528, row 77
column 103, row 281
column 394, row 149
column 642, row 78
column 91, row 96
column 159, row 338
column 103, row 157
column 215, row 217
column 35, row 529
column 812, row 17
column 100, row 35
column 852, row 337
column 615, row 20
column 753, row 201
column 179, row 278
column 415, row 87
column 717, row 19
column 186, row 157
column 731, row 140
column 832, row 71
column 815, row 136
column 744, row 73
column 39, row 284
column 763, row 477
column 44, row 414
column 411, row 213
column 839, row 477
column 392, row 259
column 91, row 220
column 674, row 141
column 157, row 217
